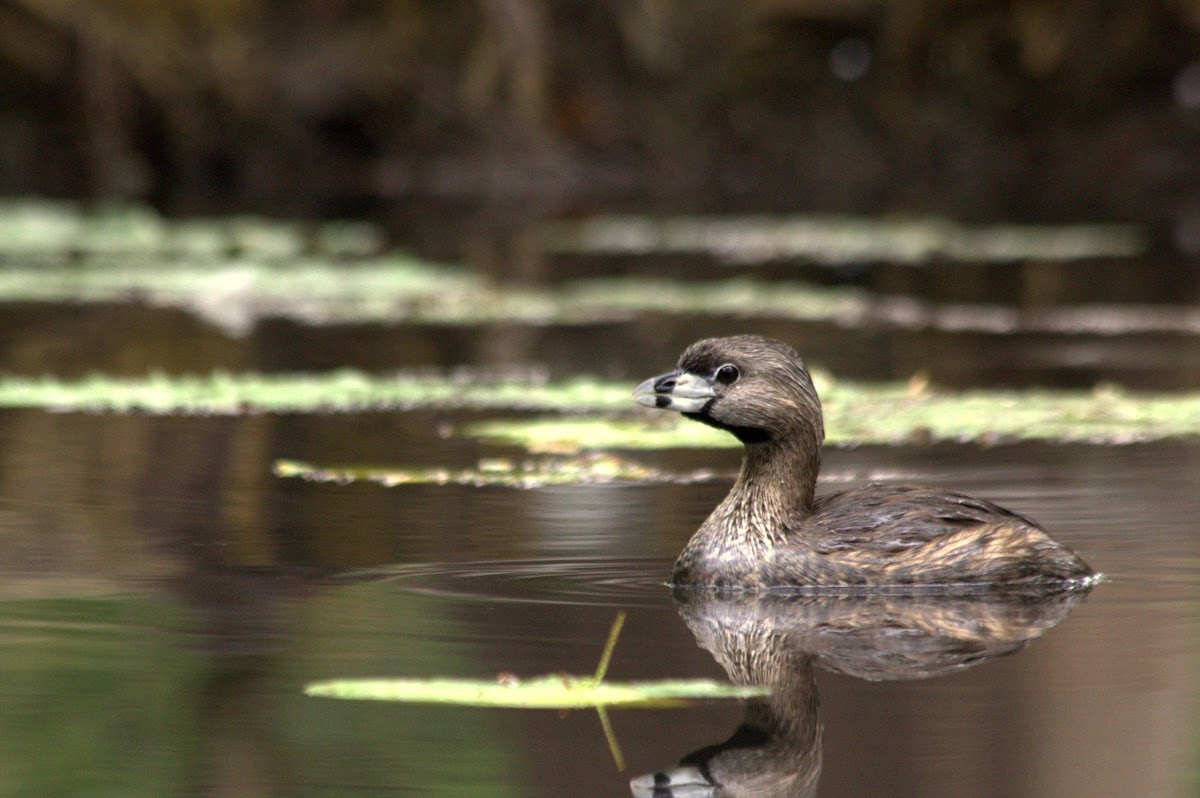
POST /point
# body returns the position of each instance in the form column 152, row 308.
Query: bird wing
column 889, row 519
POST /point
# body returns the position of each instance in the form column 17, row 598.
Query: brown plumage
column 772, row 531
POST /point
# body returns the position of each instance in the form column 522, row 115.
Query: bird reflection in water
column 777, row 641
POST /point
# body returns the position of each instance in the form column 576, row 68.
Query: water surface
column 165, row 599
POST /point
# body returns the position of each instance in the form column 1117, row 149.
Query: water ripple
column 591, row 581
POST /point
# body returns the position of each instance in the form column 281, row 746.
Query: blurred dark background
column 1031, row 110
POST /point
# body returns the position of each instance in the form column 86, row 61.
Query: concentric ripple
column 630, row 581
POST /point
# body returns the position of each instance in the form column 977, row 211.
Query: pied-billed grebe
column 771, row 531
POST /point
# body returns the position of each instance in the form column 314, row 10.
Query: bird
column 772, row 531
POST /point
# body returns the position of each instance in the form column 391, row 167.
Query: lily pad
column 339, row 391
column 569, row 435
column 887, row 414
column 58, row 228
column 554, row 691
column 840, row 239
column 542, row 692
column 855, row 413
column 235, row 293
column 590, row 469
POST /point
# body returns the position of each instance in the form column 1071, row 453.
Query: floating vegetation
column 892, row 414
column 235, row 293
column 850, row 307
column 236, row 272
column 51, row 228
column 855, row 413
column 555, row 691
column 589, row 469
column 573, row 435
column 344, row 391
column 32, row 228
column 840, row 239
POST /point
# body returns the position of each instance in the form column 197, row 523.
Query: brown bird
column 771, row 531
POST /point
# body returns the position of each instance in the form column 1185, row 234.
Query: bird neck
column 776, row 486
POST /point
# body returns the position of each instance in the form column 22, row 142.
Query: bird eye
column 728, row 374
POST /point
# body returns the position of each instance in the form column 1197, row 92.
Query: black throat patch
column 744, row 434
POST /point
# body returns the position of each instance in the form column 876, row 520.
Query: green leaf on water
column 345, row 390
column 855, row 413
column 592, row 468
column 56, row 228
column 839, row 239
column 891, row 414
column 235, row 273
column 589, row 433
column 555, row 691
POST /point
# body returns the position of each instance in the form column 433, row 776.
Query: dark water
column 1162, row 352
column 165, row 599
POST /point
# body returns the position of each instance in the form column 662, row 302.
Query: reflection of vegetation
column 589, row 469
column 839, row 239
column 137, row 696
column 91, row 702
